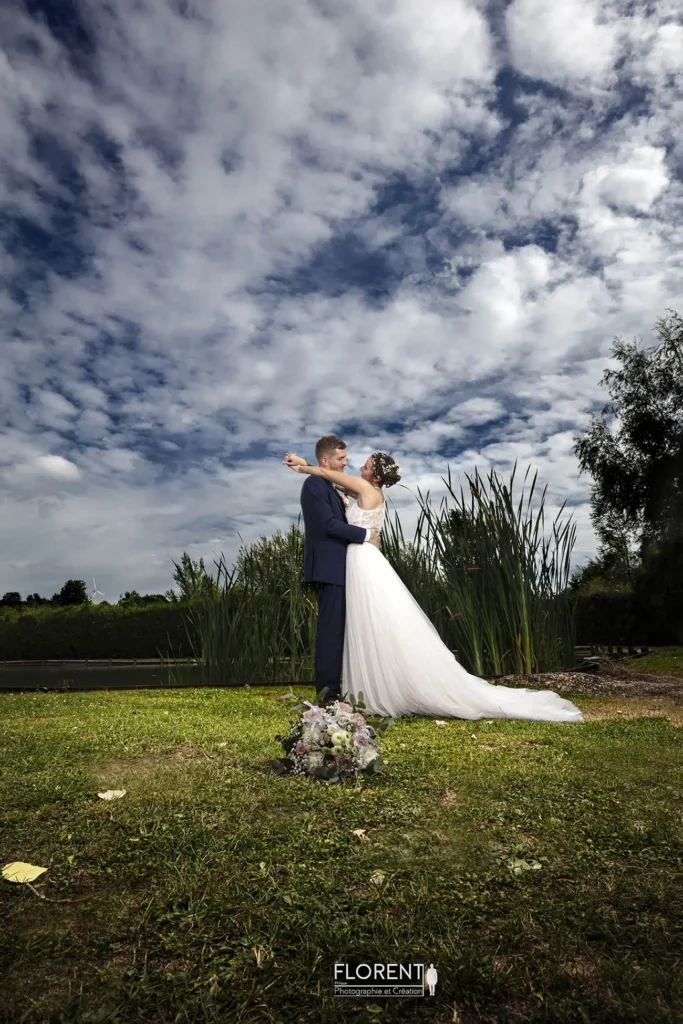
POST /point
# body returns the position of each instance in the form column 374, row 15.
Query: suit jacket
column 326, row 532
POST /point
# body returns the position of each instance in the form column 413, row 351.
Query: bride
column 392, row 652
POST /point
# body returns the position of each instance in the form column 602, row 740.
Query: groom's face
column 335, row 462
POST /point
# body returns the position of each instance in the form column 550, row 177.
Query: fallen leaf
column 517, row 865
column 112, row 794
column 19, row 871
column 223, row 744
column 360, row 834
column 437, row 722
column 377, row 878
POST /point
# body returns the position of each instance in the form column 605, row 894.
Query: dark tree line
column 190, row 577
column 74, row 592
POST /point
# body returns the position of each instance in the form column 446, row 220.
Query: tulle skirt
column 395, row 656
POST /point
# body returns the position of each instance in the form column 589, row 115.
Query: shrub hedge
column 628, row 618
column 96, row 631
column 151, row 631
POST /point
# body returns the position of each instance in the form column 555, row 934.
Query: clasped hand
column 293, row 461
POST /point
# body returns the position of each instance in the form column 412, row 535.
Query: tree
column 73, row 592
column 193, row 580
column 36, row 601
column 637, row 498
column 637, row 466
column 617, row 563
column 131, row 599
column 12, row 599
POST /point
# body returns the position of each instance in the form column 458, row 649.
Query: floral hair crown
column 381, row 462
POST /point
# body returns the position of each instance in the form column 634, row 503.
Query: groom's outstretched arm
column 316, row 498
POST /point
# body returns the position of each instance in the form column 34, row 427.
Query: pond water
column 112, row 676
column 98, row 677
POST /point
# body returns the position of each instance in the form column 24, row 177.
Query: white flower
column 366, row 756
column 341, row 730
column 343, row 497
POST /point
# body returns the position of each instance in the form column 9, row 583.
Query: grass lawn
column 218, row 891
column 665, row 661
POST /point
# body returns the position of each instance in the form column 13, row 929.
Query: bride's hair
column 385, row 469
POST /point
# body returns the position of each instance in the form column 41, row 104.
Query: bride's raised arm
column 354, row 485
column 291, row 459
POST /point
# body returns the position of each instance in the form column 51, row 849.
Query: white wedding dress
column 395, row 656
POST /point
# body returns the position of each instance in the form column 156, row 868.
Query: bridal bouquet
column 330, row 742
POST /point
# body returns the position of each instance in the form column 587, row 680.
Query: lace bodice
column 366, row 517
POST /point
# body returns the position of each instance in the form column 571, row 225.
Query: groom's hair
column 326, row 446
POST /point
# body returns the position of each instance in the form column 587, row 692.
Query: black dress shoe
column 326, row 696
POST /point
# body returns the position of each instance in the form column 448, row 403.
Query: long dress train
column 395, row 656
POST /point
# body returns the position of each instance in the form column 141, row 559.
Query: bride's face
column 367, row 472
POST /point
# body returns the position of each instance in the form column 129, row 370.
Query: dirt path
column 599, row 684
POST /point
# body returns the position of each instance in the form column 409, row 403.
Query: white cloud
column 658, row 43
column 567, row 44
column 477, row 411
column 213, row 311
column 635, row 180
column 54, row 466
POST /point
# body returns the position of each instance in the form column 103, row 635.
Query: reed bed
column 260, row 625
column 495, row 587
column 481, row 568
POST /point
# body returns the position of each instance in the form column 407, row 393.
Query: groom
column 326, row 535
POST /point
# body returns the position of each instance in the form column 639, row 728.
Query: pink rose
column 301, row 748
column 361, row 741
column 314, row 715
column 345, row 708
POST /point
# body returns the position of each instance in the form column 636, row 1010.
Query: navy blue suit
column 326, row 535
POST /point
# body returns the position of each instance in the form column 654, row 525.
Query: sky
column 228, row 228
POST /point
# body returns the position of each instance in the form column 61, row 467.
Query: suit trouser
column 329, row 640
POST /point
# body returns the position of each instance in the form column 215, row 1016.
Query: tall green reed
column 492, row 583
column 260, row 625
column 483, row 571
